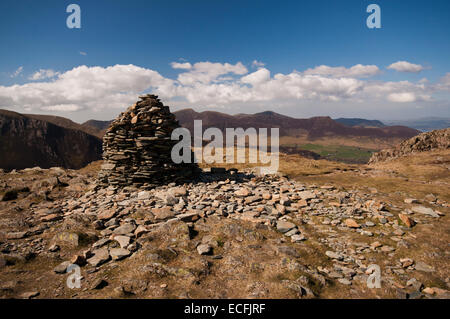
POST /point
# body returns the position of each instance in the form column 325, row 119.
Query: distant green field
column 348, row 154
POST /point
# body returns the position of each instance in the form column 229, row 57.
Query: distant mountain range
column 425, row 124
column 98, row 128
column 357, row 122
column 315, row 128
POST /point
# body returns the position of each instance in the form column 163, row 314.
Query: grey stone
column 425, row 211
column 297, row 238
column 204, row 249
column 307, row 195
column 17, row 235
column 102, row 242
column 144, row 195
column 123, row 241
column 421, row 266
column 100, row 257
column 124, row 229
column 293, row 231
column 119, row 253
column 284, row 226
column 62, row 267
column 333, row 255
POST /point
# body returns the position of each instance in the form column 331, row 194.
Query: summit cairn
column 137, row 147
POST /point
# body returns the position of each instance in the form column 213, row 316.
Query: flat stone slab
column 297, row 238
column 101, row 242
column 188, row 217
column 119, row 253
column 421, row 266
column 62, row 267
column 123, row 241
column 144, row 195
column 425, row 211
column 163, row 213
column 124, row 229
column 17, row 235
column 100, row 257
column 306, row 195
column 284, row 226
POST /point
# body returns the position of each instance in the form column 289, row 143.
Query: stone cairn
column 137, row 148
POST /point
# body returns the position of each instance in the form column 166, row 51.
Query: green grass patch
column 347, row 154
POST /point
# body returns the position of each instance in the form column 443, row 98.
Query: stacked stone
column 137, row 147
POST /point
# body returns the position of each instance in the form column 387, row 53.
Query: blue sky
column 283, row 37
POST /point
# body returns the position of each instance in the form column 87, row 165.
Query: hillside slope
column 97, row 128
column 27, row 141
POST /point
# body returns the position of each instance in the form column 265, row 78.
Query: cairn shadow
column 231, row 175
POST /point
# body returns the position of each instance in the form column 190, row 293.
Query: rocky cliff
column 28, row 142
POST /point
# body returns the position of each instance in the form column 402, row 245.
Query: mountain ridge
column 314, row 127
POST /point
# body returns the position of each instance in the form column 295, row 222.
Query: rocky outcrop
column 137, row 147
column 435, row 140
column 26, row 141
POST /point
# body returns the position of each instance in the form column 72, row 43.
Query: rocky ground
column 229, row 235
column 425, row 142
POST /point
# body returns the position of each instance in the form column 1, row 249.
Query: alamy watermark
column 236, row 138
column 374, row 20
column 73, row 21
column 74, row 279
column 374, row 279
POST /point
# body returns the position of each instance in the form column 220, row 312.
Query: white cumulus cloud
column 356, row 71
column 177, row 65
column 404, row 66
column 87, row 87
column 62, row 108
column 257, row 77
column 403, row 97
column 43, row 74
column 211, row 84
column 207, row 72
